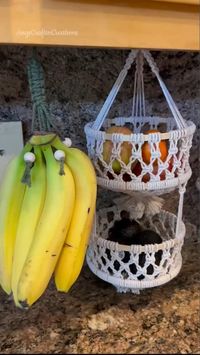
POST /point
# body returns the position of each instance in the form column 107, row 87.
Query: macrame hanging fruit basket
column 151, row 156
column 136, row 267
column 135, row 160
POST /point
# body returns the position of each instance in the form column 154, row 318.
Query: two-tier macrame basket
column 136, row 267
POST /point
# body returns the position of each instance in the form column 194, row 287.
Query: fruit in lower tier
column 125, row 149
column 129, row 232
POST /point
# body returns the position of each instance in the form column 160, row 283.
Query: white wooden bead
column 29, row 157
column 59, row 154
column 67, row 142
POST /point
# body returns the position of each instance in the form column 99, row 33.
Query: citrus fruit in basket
column 125, row 149
column 146, row 149
column 146, row 157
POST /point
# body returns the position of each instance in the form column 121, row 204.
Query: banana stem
column 42, row 138
column 58, row 144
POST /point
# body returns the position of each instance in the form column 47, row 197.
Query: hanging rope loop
column 138, row 108
column 41, row 120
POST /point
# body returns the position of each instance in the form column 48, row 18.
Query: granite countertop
column 93, row 318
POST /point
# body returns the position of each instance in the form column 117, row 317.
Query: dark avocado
column 129, row 232
column 123, row 231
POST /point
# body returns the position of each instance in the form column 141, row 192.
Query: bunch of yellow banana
column 46, row 223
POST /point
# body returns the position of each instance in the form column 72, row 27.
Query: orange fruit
column 146, row 149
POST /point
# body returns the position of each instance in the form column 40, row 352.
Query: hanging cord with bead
column 29, row 159
column 60, row 156
column 41, row 120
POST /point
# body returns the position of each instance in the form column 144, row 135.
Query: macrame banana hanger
column 41, row 120
column 138, row 106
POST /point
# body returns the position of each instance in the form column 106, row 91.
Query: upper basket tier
column 140, row 152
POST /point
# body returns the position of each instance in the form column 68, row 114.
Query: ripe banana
column 80, row 253
column 85, row 184
column 50, row 232
column 30, row 213
column 11, row 197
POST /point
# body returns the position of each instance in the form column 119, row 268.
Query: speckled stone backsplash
column 78, row 81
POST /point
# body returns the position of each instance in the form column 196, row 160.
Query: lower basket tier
column 122, row 285
column 136, row 267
